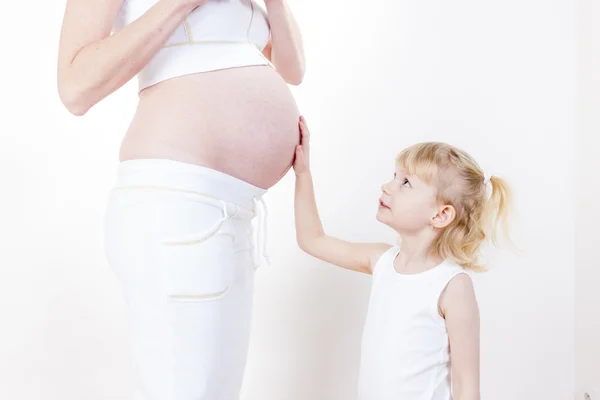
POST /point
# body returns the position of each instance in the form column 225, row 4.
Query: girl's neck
column 415, row 256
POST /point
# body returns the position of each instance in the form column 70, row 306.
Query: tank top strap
column 386, row 261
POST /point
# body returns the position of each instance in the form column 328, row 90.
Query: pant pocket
column 199, row 270
column 196, row 249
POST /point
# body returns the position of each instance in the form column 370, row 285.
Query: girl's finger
column 303, row 124
column 303, row 120
column 305, row 134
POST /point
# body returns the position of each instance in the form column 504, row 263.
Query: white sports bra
column 217, row 35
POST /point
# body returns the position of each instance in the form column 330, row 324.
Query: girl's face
column 408, row 205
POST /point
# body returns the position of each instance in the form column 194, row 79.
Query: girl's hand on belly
column 301, row 162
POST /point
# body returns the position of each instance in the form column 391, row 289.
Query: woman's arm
column 459, row 307
column 311, row 238
column 92, row 63
column 285, row 49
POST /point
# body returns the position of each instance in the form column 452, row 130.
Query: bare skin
column 248, row 129
column 241, row 121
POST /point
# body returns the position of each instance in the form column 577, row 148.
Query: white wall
column 497, row 78
column 587, row 219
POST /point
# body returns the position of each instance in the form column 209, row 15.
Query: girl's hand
column 301, row 162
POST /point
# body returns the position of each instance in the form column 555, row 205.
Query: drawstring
column 261, row 240
column 265, row 253
column 225, row 211
column 262, row 229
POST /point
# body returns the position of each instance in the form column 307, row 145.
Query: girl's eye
column 405, row 182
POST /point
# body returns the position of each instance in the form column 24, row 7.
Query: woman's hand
column 193, row 4
column 285, row 49
column 302, row 160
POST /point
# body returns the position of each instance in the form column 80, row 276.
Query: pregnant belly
column 241, row 121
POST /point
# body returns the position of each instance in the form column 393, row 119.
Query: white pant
column 179, row 238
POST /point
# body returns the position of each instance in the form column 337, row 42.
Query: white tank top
column 217, row 35
column 405, row 353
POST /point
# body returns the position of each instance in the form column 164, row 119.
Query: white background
column 587, row 215
column 495, row 78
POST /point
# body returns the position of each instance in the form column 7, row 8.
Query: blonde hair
column 461, row 183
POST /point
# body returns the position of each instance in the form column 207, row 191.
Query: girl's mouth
column 382, row 204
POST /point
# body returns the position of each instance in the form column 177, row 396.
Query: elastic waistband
column 176, row 175
column 190, row 58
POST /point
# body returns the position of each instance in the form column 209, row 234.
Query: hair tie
column 487, row 178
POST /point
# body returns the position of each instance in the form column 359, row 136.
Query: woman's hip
column 189, row 227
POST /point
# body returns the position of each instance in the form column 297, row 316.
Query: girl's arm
column 311, row 238
column 92, row 63
column 285, row 49
column 458, row 306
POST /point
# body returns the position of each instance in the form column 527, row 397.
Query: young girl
column 422, row 301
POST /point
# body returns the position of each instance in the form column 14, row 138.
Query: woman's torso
column 240, row 120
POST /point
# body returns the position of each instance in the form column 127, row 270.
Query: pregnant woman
column 215, row 127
